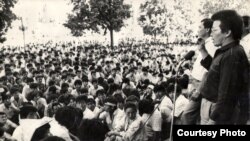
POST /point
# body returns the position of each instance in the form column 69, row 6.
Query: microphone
column 199, row 40
column 189, row 55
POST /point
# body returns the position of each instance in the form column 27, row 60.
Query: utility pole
column 22, row 28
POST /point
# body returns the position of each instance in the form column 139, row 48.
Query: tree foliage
column 152, row 18
column 97, row 15
column 210, row 7
column 165, row 19
column 6, row 17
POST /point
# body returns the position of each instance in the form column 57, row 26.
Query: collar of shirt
column 225, row 48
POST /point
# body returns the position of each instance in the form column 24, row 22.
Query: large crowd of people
column 94, row 92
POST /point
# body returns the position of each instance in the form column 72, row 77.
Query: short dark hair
column 132, row 98
column 207, row 23
column 159, row 88
column 78, row 82
column 146, row 106
column 130, row 105
column 26, row 109
column 66, row 116
column 230, row 20
column 81, row 98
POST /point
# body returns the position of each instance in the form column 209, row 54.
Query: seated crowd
column 69, row 92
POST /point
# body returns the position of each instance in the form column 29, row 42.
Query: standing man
column 245, row 42
column 225, row 88
column 192, row 110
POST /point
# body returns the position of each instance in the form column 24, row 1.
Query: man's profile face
column 201, row 31
column 217, row 36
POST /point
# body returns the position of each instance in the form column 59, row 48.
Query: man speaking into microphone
column 224, row 89
column 191, row 113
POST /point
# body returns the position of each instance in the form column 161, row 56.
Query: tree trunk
column 111, row 38
column 167, row 38
column 155, row 36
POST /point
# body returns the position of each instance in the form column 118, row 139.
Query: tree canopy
column 6, row 17
column 171, row 17
column 98, row 15
column 210, row 7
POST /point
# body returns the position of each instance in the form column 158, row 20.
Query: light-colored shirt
column 180, row 104
column 58, row 130
column 245, row 42
column 119, row 114
column 198, row 70
column 128, row 131
column 88, row 114
column 154, row 124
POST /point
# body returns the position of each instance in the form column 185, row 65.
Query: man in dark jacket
column 225, row 88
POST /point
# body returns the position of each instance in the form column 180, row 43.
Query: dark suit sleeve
column 206, row 62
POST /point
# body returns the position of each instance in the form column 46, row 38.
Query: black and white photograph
column 124, row 70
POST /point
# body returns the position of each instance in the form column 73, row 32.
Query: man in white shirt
column 191, row 112
column 81, row 102
column 203, row 33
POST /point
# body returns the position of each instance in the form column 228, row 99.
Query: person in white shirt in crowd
column 151, row 119
column 28, row 119
column 107, row 116
column 129, row 126
column 65, row 120
column 133, row 75
column 100, row 98
column 81, row 102
column 26, row 88
column 91, row 104
column 166, row 108
column 145, row 75
column 94, row 88
column 119, row 112
column 77, row 91
column 6, row 125
column 117, row 77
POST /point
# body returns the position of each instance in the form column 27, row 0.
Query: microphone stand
column 174, row 98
